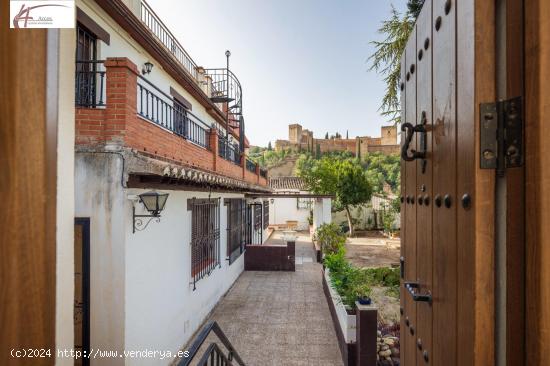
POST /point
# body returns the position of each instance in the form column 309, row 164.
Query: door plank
column 444, row 184
column 404, row 207
column 424, row 180
column 408, row 335
column 28, row 188
column 466, row 166
column 537, row 102
column 515, row 194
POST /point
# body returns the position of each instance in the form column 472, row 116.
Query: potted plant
column 363, row 292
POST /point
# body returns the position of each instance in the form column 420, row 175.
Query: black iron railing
column 89, row 84
column 263, row 173
column 226, row 88
column 250, row 166
column 205, row 237
column 213, row 355
column 236, row 217
column 228, row 150
column 266, row 214
column 161, row 32
column 160, row 108
column 253, row 232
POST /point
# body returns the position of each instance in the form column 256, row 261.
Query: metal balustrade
column 89, row 84
column 160, row 108
column 161, row 32
column 250, row 166
column 228, row 150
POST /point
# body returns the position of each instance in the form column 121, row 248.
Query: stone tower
column 389, row 135
column 294, row 133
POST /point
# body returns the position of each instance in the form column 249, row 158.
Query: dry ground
column 375, row 250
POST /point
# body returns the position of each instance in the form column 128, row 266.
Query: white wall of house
column 284, row 209
column 162, row 309
column 322, row 212
column 100, row 197
column 122, row 45
column 64, row 333
column 141, row 291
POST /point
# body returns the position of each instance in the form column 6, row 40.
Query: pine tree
column 347, row 135
column 387, row 58
column 269, row 147
column 326, row 136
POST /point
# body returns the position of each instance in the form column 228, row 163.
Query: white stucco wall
column 141, row 292
column 99, row 195
column 162, row 310
column 283, row 209
column 322, row 212
column 64, row 333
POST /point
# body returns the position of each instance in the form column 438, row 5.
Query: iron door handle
column 412, row 288
column 410, row 130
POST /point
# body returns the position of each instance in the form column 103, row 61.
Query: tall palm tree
column 386, row 60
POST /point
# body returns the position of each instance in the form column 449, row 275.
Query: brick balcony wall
column 118, row 124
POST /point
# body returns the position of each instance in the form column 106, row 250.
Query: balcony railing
column 161, row 32
column 160, row 108
column 228, row 151
column 250, row 166
column 89, row 84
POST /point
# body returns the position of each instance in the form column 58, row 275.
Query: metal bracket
column 501, row 135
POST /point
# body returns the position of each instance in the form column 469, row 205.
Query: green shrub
column 330, row 237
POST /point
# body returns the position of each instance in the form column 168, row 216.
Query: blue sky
column 299, row 61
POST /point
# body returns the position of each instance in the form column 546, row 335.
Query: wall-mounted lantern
column 154, row 202
column 147, row 67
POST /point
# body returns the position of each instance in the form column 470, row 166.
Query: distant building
column 300, row 139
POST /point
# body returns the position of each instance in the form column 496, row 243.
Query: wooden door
column 463, row 226
column 82, row 289
column 439, row 233
column 28, row 156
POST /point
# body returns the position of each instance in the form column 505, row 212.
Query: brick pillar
column 366, row 318
column 214, row 147
column 121, row 98
column 243, row 165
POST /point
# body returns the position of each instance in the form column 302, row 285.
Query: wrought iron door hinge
column 501, row 135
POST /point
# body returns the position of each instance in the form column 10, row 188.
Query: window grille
column 304, row 203
column 266, row 214
column 205, row 237
column 89, row 71
column 257, row 216
column 236, row 219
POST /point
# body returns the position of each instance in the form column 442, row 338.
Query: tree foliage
column 382, row 169
column 344, row 178
column 386, row 59
column 266, row 157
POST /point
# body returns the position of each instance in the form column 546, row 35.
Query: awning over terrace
column 142, row 171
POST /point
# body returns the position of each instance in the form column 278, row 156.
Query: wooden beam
column 28, row 164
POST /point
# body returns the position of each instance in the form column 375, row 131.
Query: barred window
column 304, row 203
column 266, row 214
column 205, row 237
column 236, row 230
column 257, row 216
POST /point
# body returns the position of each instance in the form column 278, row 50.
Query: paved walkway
column 281, row 318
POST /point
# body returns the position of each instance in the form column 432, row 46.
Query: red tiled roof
column 287, row 183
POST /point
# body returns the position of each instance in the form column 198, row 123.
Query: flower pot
column 364, row 300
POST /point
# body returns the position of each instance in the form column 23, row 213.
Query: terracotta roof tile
column 287, row 183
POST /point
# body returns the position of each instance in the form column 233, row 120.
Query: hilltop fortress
column 300, row 139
